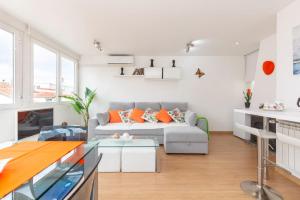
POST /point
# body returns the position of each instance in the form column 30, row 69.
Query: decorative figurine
column 199, row 73
column 173, row 63
column 151, row 62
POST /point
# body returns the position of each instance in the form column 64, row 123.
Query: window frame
column 56, row 52
column 59, row 54
column 17, row 66
column 63, row 55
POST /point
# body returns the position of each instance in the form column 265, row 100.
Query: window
column 6, row 67
column 44, row 67
column 67, row 80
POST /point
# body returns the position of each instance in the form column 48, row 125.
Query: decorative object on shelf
column 173, row 63
column 151, row 62
column 64, row 124
column 298, row 102
column 81, row 105
column 138, row 71
column 122, row 71
column 199, row 73
column 268, row 67
column 116, row 136
column 247, row 96
column 126, row 136
column 276, row 106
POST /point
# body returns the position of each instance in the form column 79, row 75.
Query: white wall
column 265, row 85
column 214, row 95
column 288, row 85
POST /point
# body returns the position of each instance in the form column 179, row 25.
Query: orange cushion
column 114, row 116
column 163, row 116
column 136, row 115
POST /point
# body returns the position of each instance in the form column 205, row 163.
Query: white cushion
column 135, row 126
column 115, row 126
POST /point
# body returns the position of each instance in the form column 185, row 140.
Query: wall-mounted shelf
column 130, row 76
column 154, row 73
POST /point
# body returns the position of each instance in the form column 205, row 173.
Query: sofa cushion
column 185, row 134
column 114, row 116
column 115, row 126
column 164, row 116
column 182, row 106
column 150, row 115
column 137, row 114
column 145, row 105
column 140, row 126
column 190, row 118
column 125, row 116
column 103, row 118
column 121, row 105
column 177, row 115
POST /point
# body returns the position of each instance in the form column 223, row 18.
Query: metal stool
column 258, row 189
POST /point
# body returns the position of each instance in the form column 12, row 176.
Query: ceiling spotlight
column 191, row 44
column 237, row 43
column 97, row 45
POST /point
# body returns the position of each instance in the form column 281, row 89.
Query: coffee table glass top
column 110, row 142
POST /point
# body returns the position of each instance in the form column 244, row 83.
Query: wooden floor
column 214, row 176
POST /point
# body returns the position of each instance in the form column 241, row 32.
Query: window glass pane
column 44, row 64
column 67, row 76
column 6, row 67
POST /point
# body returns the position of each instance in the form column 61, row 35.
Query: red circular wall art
column 268, row 67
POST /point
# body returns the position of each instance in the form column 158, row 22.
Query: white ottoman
column 111, row 159
column 138, row 159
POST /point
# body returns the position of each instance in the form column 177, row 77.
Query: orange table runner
column 28, row 159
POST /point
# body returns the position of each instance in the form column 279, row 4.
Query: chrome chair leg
column 259, row 190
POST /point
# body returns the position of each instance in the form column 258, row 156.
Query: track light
column 191, row 44
column 97, row 45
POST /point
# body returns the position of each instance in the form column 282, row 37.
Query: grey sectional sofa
column 188, row 137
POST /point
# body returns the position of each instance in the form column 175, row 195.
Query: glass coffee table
column 134, row 155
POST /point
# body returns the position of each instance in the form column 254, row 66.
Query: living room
column 169, row 100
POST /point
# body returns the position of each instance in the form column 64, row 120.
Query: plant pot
column 247, row 104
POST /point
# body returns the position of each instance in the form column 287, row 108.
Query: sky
column 6, row 56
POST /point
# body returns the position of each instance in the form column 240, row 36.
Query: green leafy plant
column 81, row 105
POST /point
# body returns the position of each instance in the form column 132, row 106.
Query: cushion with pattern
column 125, row 116
column 150, row 115
column 177, row 115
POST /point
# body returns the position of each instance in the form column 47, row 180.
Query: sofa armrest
column 202, row 124
column 92, row 124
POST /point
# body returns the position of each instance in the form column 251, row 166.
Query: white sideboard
column 243, row 119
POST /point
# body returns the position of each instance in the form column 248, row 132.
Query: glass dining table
column 74, row 176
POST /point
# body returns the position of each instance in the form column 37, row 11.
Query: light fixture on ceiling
column 97, row 45
column 192, row 44
column 237, row 43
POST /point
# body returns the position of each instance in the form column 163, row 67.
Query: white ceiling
column 151, row 27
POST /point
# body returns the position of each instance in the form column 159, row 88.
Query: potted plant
column 247, row 96
column 81, row 105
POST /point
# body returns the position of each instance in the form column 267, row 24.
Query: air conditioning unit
column 120, row 59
